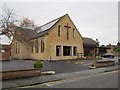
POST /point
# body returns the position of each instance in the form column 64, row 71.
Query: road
column 68, row 70
column 101, row 80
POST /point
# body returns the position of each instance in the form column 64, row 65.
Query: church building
column 58, row 39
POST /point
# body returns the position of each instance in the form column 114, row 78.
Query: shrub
column 95, row 61
column 119, row 60
column 38, row 64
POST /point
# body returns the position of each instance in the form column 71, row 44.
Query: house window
column 36, row 46
column 74, row 51
column 17, row 48
column 14, row 47
column 36, row 49
column 73, row 33
column 2, row 50
column 59, row 30
column 32, row 49
column 42, row 45
column 58, row 50
column 67, row 51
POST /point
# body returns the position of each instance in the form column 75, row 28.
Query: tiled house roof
column 89, row 41
column 28, row 33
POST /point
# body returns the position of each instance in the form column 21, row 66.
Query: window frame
column 15, row 47
column 75, row 50
column 59, row 30
column 73, row 32
column 70, row 51
column 42, row 45
column 37, row 46
column 37, row 49
column 32, row 49
column 59, row 50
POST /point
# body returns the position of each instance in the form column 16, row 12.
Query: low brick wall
column 19, row 73
column 102, row 64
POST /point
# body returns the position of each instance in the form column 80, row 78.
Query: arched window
column 32, row 49
column 42, row 45
column 17, row 48
column 73, row 33
column 37, row 46
column 59, row 30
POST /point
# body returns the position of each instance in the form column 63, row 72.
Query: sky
column 97, row 20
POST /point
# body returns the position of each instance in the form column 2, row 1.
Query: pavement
column 30, row 81
column 91, row 81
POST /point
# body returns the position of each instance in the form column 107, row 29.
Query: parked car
column 108, row 55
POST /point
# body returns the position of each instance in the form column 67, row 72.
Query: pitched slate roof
column 47, row 26
column 28, row 33
column 89, row 41
column 43, row 30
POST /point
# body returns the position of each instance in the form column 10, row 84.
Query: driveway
column 63, row 67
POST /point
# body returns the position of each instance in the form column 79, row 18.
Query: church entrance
column 67, row 51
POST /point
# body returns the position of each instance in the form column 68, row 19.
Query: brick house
column 112, row 49
column 5, row 52
column 90, row 47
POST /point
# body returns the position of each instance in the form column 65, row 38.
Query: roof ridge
column 53, row 20
column 87, row 38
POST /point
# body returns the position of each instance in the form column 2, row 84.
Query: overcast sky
column 97, row 20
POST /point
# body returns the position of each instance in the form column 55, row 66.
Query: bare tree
column 7, row 21
column 8, row 26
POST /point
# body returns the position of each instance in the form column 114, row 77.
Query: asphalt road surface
column 101, row 80
column 58, row 66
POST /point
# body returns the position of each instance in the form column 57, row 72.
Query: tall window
column 17, row 48
column 67, row 51
column 42, row 45
column 74, row 51
column 32, row 49
column 37, row 46
column 73, row 33
column 14, row 48
column 58, row 50
column 59, row 30
column 36, row 49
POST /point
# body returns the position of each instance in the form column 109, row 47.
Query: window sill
column 69, row 55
